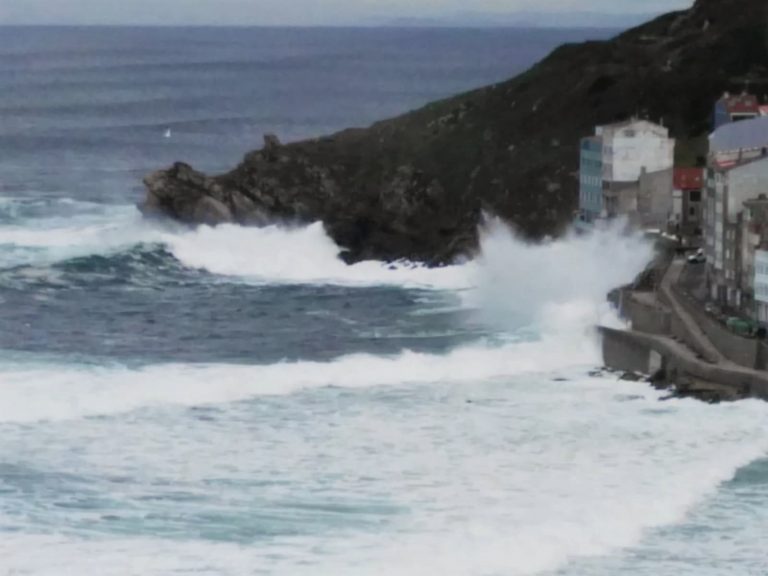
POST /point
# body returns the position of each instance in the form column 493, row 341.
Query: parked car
column 698, row 257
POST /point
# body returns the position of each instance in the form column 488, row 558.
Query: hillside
column 415, row 186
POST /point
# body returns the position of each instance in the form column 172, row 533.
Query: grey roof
column 745, row 134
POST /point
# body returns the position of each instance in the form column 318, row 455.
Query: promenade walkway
column 701, row 342
column 697, row 356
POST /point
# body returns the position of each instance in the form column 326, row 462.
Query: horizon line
column 420, row 26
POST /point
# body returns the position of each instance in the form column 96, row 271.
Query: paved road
column 702, row 344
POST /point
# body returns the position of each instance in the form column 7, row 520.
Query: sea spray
column 555, row 284
column 514, row 276
column 556, row 288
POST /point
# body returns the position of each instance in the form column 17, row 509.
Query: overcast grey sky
column 293, row 12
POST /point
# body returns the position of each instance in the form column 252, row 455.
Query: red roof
column 741, row 104
column 689, row 178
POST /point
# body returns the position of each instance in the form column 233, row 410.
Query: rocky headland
column 415, row 187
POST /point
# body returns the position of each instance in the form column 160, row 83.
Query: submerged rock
column 634, row 377
column 415, row 187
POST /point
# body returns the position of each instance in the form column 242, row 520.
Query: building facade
column 612, row 164
column 688, row 185
column 631, row 147
column 754, row 238
column 728, row 188
column 737, row 143
column 591, row 178
column 760, row 286
column 655, row 200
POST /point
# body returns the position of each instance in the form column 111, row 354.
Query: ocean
column 237, row 401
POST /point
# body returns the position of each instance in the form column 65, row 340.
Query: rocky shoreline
column 416, row 187
column 681, row 387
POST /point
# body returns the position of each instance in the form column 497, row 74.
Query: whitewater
column 238, row 401
column 506, row 455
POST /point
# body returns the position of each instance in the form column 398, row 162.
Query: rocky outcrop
column 402, row 213
column 416, row 186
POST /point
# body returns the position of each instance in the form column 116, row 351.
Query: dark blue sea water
column 238, row 401
column 84, row 113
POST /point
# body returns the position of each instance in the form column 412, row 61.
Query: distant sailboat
column 168, row 133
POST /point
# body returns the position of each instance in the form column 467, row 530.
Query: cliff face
column 415, row 186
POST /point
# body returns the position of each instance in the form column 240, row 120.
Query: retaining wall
column 645, row 317
column 634, row 351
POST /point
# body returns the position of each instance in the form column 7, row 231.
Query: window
column 694, row 196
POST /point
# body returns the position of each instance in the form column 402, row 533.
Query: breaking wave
column 269, row 255
column 297, row 255
column 544, row 464
column 42, row 233
column 555, row 283
column 509, row 270
column 558, row 288
column 80, row 391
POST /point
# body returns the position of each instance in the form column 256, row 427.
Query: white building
column 633, row 147
column 626, row 170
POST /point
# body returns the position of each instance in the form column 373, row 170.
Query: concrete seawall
column 651, row 353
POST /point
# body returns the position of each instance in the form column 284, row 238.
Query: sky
column 299, row 12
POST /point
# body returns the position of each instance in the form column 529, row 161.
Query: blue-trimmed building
column 591, row 179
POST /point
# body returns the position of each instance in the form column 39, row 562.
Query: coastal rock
column 186, row 194
column 211, row 211
column 416, row 187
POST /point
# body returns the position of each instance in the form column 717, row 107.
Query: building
column 688, row 184
column 591, row 178
column 654, row 199
column 728, row 188
column 620, row 199
column 733, row 144
column 734, row 108
column 633, row 146
column 612, row 163
column 754, row 272
column 760, row 286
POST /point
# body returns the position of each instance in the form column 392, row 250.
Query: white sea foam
column 54, row 392
column 268, row 255
column 558, row 287
column 92, row 229
column 514, row 276
column 518, row 483
column 509, row 270
column 304, row 255
column 531, row 475
column 556, row 283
